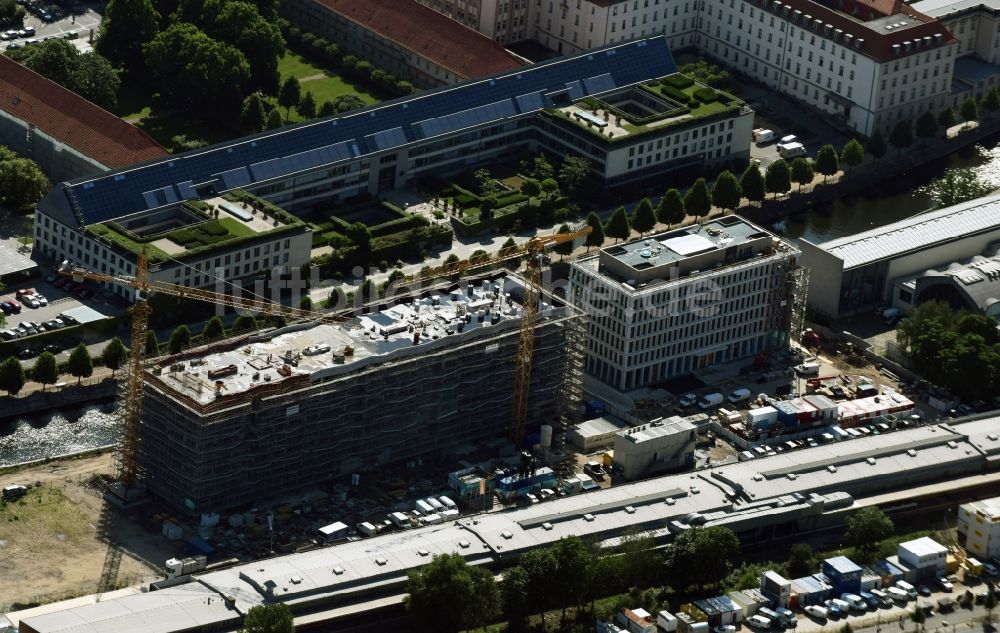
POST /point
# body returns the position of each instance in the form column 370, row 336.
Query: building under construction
column 254, row 417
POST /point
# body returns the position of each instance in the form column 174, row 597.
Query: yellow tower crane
column 127, row 453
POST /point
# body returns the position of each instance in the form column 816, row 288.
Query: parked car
column 14, row 492
column 62, row 281
column 27, row 353
column 24, row 292
column 945, row 584
column 54, row 324
column 67, row 319
column 6, row 308
column 8, row 335
column 923, row 590
column 14, row 306
column 990, row 569
column 816, row 611
column 687, row 400
column 724, row 628
column 30, row 301
column 40, row 298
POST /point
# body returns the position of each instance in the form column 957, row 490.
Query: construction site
column 263, row 415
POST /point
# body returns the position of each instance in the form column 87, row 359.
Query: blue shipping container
column 197, row 545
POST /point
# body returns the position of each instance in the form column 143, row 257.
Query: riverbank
column 35, row 398
column 871, row 174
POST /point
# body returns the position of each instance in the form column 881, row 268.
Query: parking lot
column 77, row 24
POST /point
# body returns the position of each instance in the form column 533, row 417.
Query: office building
column 661, row 445
column 502, row 20
column 672, row 303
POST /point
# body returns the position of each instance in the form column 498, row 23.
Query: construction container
column 762, row 417
column 666, row 621
column 172, row 531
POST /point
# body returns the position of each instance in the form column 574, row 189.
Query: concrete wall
column 825, row 274
column 665, row 452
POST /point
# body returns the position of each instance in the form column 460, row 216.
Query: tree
column 307, row 303
column 827, row 162
column 531, row 187
column 361, row 236
column 573, row 171
column 968, row 110
column 269, row 618
column 926, row 126
column 11, row 376
column 991, row 100
column 487, row 183
column 213, row 329
column 703, row 555
column 596, row 235
column 289, row 95
column 752, row 183
column 46, row 370
column 179, row 339
column 876, row 145
column 853, row 154
column 253, row 116
column 241, row 25
column 152, row 345
column 867, row 527
column 946, row 118
column 244, row 323
column 516, row 600
column 566, row 247
column 541, row 567
column 573, row 567
column 448, row 595
column 618, row 225
column 127, row 27
column 726, row 192
column 902, row 135
column 671, row 211
column 538, row 168
column 274, row 120
column 958, row 184
column 643, row 217
column 307, row 106
column 327, row 109
column 802, row 171
column 113, row 354
column 80, row 364
column 696, row 200
column 801, row 560
column 208, row 76
column 22, row 183
column 778, row 178
column 88, row 74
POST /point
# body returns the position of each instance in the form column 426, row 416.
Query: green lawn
column 325, row 88
column 142, row 107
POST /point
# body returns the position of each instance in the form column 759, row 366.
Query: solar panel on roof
column 234, row 178
column 301, row 161
column 967, row 276
column 186, row 190
column 575, row 90
column 387, row 139
column 600, row 83
column 530, row 102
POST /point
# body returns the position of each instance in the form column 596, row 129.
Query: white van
column 759, row 622
column 710, row 400
column 791, row 150
column 740, row 395
column 910, row 590
column 855, row 601
column 807, row 369
column 816, row 611
column 898, row 594
column 843, row 605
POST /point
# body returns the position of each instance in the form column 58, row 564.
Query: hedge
column 706, row 95
column 678, row 81
column 676, row 94
column 409, row 221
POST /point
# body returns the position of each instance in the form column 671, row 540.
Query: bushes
column 706, row 95
column 675, row 94
column 678, row 81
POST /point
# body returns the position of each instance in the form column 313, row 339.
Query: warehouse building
column 972, row 285
column 591, row 435
column 672, row 303
column 255, row 417
column 749, row 497
column 856, row 273
column 979, row 527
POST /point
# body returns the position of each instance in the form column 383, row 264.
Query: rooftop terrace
column 312, row 352
column 649, row 107
column 682, row 252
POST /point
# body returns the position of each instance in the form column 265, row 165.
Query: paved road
column 86, row 23
column 897, row 619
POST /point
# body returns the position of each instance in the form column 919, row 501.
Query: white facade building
column 925, row 555
column 669, row 304
column 870, row 64
column 654, row 447
column 979, row 527
column 503, row 20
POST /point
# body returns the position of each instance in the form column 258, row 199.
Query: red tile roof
column 71, row 119
column 432, row 35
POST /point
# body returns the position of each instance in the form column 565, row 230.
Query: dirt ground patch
column 53, row 542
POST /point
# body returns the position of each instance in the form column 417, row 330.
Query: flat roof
column 941, row 8
column 679, row 244
column 843, row 565
column 657, row 429
column 277, row 154
column 988, row 507
column 12, row 261
column 318, row 351
column 923, row 546
column 917, row 232
column 85, row 314
column 357, row 567
column 600, row 426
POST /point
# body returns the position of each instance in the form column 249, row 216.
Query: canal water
column 892, row 201
column 89, row 427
